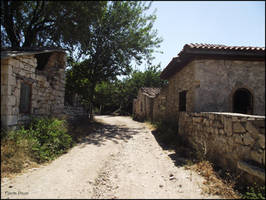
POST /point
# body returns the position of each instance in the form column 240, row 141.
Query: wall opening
column 242, row 101
column 25, row 98
column 182, row 101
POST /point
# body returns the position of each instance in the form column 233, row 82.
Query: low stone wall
column 74, row 112
column 232, row 141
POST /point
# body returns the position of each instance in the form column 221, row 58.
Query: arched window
column 242, row 101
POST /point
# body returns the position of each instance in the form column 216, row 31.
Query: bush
column 48, row 138
column 254, row 192
column 167, row 131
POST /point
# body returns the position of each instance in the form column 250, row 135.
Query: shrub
column 48, row 138
column 254, row 192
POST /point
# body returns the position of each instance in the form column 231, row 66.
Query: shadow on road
column 180, row 154
column 97, row 133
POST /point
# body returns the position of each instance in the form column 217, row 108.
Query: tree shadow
column 98, row 133
column 181, row 154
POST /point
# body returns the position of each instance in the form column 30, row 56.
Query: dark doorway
column 243, row 101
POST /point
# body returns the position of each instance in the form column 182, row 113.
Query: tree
column 63, row 24
column 119, row 95
column 121, row 33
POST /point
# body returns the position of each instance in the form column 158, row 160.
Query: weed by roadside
column 166, row 133
column 43, row 140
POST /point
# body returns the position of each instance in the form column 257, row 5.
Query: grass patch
column 43, row 140
column 213, row 183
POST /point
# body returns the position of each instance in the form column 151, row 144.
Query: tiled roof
column 194, row 51
column 224, row 47
column 150, row 92
column 11, row 52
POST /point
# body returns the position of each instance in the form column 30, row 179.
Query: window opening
column 242, row 101
column 25, row 95
column 182, row 100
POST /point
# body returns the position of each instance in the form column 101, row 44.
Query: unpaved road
column 122, row 160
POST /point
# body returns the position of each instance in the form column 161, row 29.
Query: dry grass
column 15, row 158
column 214, row 184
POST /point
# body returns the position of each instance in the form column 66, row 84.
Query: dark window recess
column 42, row 60
column 25, row 93
column 182, row 101
column 243, row 101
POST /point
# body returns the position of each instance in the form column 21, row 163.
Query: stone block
column 248, row 140
column 259, row 123
column 228, row 126
column 238, row 138
column 238, row 128
column 252, row 130
column 12, row 100
column 252, row 170
column 221, row 131
column 261, row 141
column 256, row 156
column 12, row 120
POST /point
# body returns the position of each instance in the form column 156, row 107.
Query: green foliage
column 48, row 23
column 46, row 138
column 254, row 192
column 167, row 131
column 120, row 34
column 119, row 95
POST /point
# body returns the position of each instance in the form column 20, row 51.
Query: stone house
column 214, row 78
column 143, row 105
column 32, row 84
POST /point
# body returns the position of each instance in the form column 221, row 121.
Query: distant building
column 32, row 84
column 143, row 105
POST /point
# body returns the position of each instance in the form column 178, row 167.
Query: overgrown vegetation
column 254, row 192
column 43, row 140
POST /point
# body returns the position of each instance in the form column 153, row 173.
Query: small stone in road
column 10, row 186
column 160, row 186
column 180, row 185
column 172, row 178
column 171, row 175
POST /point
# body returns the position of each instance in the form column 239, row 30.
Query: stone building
column 215, row 78
column 32, row 84
column 143, row 105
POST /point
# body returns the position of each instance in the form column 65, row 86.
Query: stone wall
column 219, row 79
column 47, row 87
column 142, row 107
column 160, row 105
column 229, row 140
column 74, row 112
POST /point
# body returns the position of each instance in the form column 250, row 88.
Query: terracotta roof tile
column 199, row 50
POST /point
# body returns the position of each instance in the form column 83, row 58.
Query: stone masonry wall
column 47, row 87
column 219, row 79
column 159, row 105
column 227, row 139
column 142, row 108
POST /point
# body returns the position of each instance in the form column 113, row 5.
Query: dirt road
column 122, row 160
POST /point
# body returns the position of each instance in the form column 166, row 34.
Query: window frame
column 28, row 111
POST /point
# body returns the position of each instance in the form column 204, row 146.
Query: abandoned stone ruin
column 32, row 84
column 216, row 94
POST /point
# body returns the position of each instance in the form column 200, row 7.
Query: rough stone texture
column 74, row 112
column 47, row 87
column 241, row 138
column 219, row 79
column 143, row 106
column 159, row 105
